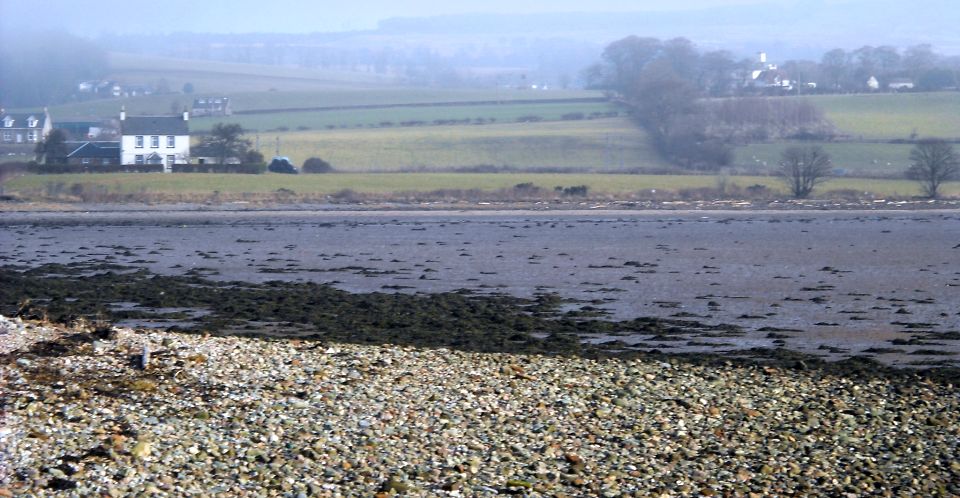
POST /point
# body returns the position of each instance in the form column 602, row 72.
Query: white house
column 155, row 140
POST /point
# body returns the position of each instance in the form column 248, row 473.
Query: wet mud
column 812, row 285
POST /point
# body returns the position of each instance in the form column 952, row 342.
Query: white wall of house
column 129, row 149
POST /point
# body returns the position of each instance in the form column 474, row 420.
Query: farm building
column 212, row 106
column 207, row 154
column 93, row 153
column 155, row 140
column 900, row 84
column 24, row 128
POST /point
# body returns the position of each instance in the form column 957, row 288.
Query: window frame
column 154, row 141
column 171, row 141
column 138, row 159
column 138, row 141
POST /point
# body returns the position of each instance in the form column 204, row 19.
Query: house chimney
column 123, row 113
column 763, row 57
column 186, row 115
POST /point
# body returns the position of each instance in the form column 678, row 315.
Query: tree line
column 718, row 73
column 664, row 84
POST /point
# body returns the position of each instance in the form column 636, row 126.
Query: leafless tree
column 803, row 168
column 934, row 162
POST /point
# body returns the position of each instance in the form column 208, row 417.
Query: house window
column 85, row 160
column 105, row 161
column 170, row 160
column 154, row 141
column 31, row 136
column 138, row 159
column 139, row 141
column 171, row 141
column 31, row 123
column 7, row 136
column 8, row 123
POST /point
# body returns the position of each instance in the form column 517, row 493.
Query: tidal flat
column 822, row 284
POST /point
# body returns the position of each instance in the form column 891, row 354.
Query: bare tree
column 803, row 168
column 227, row 141
column 934, row 162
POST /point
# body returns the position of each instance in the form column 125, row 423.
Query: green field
column 585, row 145
column 599, row 185
column 859, row 159
column 894, row 115
column 367, row 140
column 319, row 120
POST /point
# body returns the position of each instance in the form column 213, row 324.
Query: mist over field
column 792, row 27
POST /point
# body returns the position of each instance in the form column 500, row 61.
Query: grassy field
column 896, row 115
column 599, row 185
column 864, row 159
column 338, row 95
column 319, row 120
column 356, row 141
column 215, row 76
column 600, row 144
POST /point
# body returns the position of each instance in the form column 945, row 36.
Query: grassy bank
column 387, row 183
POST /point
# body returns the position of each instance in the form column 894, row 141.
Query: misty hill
column 805, row 29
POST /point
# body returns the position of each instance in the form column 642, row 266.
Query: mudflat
column 831, row 284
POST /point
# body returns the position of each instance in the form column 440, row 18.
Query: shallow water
column 838, row 283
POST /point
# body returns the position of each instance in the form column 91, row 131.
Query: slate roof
column 20, row 120
column 204, row 102
column 95, row 150
column 154, row 125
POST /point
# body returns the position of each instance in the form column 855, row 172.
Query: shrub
column 577, row 190
column 53, row 169
column 527, row 186
column 248, row 168
column 316, row 165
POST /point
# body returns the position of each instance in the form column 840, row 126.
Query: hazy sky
column 238, row 16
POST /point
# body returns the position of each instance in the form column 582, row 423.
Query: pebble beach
column 227, row 416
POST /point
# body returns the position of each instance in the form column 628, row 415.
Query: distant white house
column 767, row 76
column 155, row 140
column 873, row 84
column 900, row 84
column 212, row 106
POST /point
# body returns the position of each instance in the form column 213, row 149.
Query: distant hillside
column 805, row 28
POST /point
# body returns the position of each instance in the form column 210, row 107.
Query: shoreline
column 459, row 207
column 241, row 416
